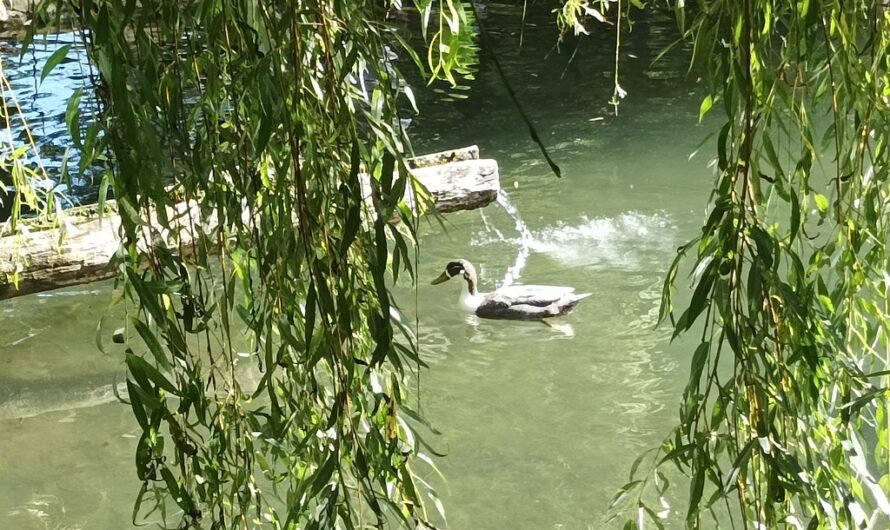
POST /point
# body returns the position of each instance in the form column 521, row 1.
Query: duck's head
column 460, row 267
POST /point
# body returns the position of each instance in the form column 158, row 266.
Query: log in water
column 80, row 252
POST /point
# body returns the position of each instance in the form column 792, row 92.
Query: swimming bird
column 516, row 302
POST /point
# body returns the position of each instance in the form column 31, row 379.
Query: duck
column 516, row 302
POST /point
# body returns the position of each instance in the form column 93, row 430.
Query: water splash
column 630, row 241
column 490, row 227
column 526, row 240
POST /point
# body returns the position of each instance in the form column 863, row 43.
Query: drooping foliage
column 267, row 383
column 25, row 187
column 265, row 357
column 784, row 421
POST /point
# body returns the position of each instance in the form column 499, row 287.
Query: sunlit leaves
column 451, row 49
column 789, row 296
column 572, row 15
column 821, row 202
column 706, row 105
column 264, row 365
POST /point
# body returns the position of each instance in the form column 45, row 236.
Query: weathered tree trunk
column 81, row 251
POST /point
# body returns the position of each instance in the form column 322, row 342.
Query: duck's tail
column 568, row 303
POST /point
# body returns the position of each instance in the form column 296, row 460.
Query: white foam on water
column 47, row 510
column 629, row 241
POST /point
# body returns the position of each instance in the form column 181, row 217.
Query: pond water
column 539, row 428
column 38, row 108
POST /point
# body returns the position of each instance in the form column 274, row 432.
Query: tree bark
column 81, row 250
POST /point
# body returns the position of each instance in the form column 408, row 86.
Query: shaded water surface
column 539, row 428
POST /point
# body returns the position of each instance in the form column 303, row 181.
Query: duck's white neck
column 469, row 295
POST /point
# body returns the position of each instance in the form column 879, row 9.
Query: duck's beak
column 442, row 278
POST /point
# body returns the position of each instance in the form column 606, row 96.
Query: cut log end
column 465, row 185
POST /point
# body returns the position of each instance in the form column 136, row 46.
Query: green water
column 539, row 428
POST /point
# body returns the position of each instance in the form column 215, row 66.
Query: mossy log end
column 81, row 252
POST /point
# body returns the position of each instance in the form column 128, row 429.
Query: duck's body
column 517, row 302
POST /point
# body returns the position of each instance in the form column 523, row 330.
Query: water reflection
column 43, row 105
column 68, row 470
column 47, row 510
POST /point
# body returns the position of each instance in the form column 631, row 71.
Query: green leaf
column 821, row 202
column 323, row 475
column 636, row 464
column 172, row 486
column 700, row 299
column 353, row 221
column 144, row 468
column 764, row 244
column 623, row 490
column 722, row 156
column 137, row 505
column 699, row 359
column 871, row 395
column 57, row 57
column 706, row 105
column 652, row 516
column 826, row 301
column 795, row 216
column 136, row 405
column 679, row 454
column 72, row 117
column 696, row 488
column 138, row 365
column 309, row 318
column 154, row 346
column 772, row 156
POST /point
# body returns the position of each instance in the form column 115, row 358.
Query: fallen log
column 81, row 250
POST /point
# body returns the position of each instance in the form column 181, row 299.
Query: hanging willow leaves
column 780, row 425
column 264, row 369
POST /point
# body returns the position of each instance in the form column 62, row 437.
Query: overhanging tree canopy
column 784, row 421
column 266, row 379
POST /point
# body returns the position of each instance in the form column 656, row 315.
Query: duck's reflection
column 482, row 334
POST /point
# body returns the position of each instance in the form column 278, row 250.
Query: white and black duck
column 516, row 302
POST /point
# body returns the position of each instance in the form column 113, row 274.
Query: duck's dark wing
column 533, row 295
column 494, row 308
